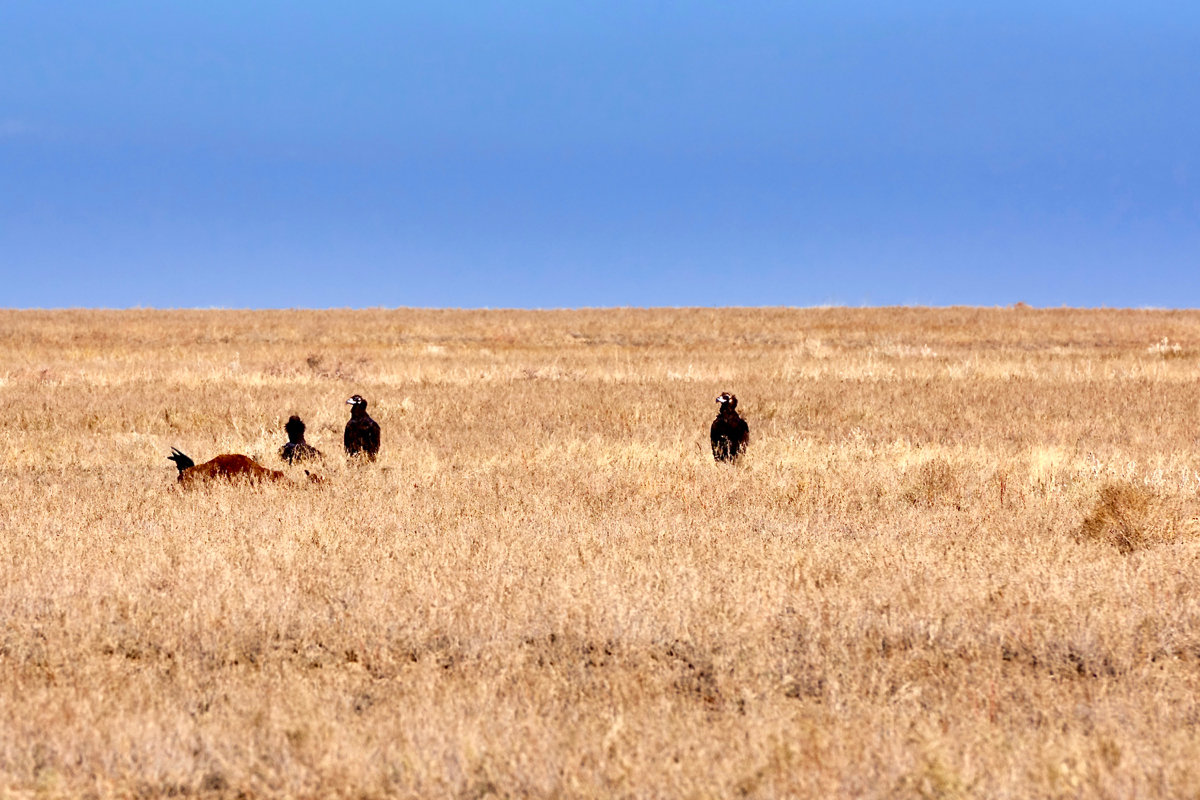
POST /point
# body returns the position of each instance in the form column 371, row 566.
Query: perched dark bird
column 729, row 433
column 224, row 467
column 297, row 450
column 362, row 432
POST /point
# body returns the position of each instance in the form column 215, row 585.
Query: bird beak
column 721, row 399
column 350, row 402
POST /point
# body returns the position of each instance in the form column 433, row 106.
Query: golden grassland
column 960, row 559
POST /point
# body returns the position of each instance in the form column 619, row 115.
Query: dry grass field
column 960, row 559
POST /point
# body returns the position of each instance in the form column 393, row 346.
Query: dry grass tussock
column 959, row 558
column 1131, row 517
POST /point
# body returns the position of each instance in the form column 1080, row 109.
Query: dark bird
column 729, row 433
column 362, row 432
column 297, row 450
column 227, row 467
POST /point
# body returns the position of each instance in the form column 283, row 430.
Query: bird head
column 295, row 429
column 727, row 401
column 357, row 401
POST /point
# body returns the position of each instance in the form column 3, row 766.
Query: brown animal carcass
column 227, row 467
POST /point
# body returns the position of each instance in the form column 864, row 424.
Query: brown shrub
column 1131, row 517
column 934, row 483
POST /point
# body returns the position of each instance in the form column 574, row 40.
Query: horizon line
column 1018, row 306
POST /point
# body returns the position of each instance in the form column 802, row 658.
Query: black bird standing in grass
column 297, row 450
column 729, row 433
column 362, row 432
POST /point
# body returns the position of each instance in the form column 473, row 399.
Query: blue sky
column 550, row 154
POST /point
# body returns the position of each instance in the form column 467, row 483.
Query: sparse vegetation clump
column 934, row 483
column 1131, row 517
column 1165, row 348
column 544, row 586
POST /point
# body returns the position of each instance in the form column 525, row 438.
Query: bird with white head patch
column 729, row 433
column 362, row 433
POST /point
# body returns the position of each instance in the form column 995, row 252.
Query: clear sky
column 552, row 154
